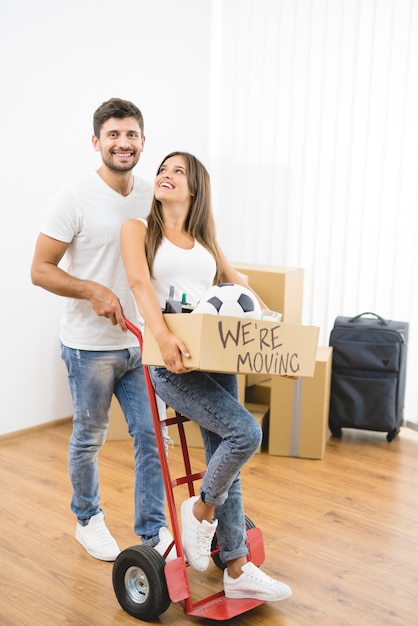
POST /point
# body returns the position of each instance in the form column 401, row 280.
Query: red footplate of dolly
column 219, row 607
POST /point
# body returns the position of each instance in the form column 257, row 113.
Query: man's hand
column 106, row 304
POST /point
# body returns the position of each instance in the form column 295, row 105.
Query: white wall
column 304, row 111
column 58, row 62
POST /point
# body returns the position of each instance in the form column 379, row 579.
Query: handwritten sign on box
column 239, row 345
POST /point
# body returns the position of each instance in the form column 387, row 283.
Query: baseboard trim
column 34, row 429
column 65, row 420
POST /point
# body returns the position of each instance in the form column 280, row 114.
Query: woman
column 177, row 246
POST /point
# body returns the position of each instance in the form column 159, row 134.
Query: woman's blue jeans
column 231, row 436
column 94, row 377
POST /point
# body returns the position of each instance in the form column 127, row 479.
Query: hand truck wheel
column 139, row 582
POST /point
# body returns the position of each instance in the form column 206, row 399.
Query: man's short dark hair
column 116, row 107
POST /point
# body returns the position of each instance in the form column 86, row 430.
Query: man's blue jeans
column 94, row 376
column 231, row 436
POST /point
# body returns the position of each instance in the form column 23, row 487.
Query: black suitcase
column 368, row 374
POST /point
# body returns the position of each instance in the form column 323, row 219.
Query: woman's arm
column 230, row 275
column 132, row 244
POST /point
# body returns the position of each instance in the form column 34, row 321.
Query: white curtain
column 313, row 137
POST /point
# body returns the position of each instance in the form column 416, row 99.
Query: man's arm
column 46, row 273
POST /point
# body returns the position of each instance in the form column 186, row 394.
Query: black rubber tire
column 139, row 582
column 214, row 547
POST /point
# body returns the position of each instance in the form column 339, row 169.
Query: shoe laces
column 205, row 534
column 258, row 576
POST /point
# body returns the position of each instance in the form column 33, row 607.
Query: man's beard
column 127, row 167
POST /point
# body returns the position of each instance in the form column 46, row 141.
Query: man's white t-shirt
column 88, row 215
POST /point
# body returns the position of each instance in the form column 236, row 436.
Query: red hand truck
column 144, row 584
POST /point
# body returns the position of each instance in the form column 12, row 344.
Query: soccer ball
column 229, row 299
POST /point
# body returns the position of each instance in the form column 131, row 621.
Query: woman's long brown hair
column 199, row 223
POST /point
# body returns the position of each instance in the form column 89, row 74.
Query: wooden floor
column 343, row 532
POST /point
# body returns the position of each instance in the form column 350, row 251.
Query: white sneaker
column 166, row 540
column 96, row 539
column 253, row 583
column 196, row 536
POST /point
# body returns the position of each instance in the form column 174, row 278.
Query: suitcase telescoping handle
column 357, row 317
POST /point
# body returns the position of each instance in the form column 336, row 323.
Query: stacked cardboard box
column 281, row 288
column 247, row 350
column 298, row 416
column 293, row 414
column 118, row 428
column 194, row 439
column 298, row 409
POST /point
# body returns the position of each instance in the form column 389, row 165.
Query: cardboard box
column 256, row 379
column 191, row 429
column 261, row 413
column 118, row 428
column 239, row 345
column 194, row 437
column 298, row 421
column 281, row 288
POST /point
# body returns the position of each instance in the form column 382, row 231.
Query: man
column 102, row 358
